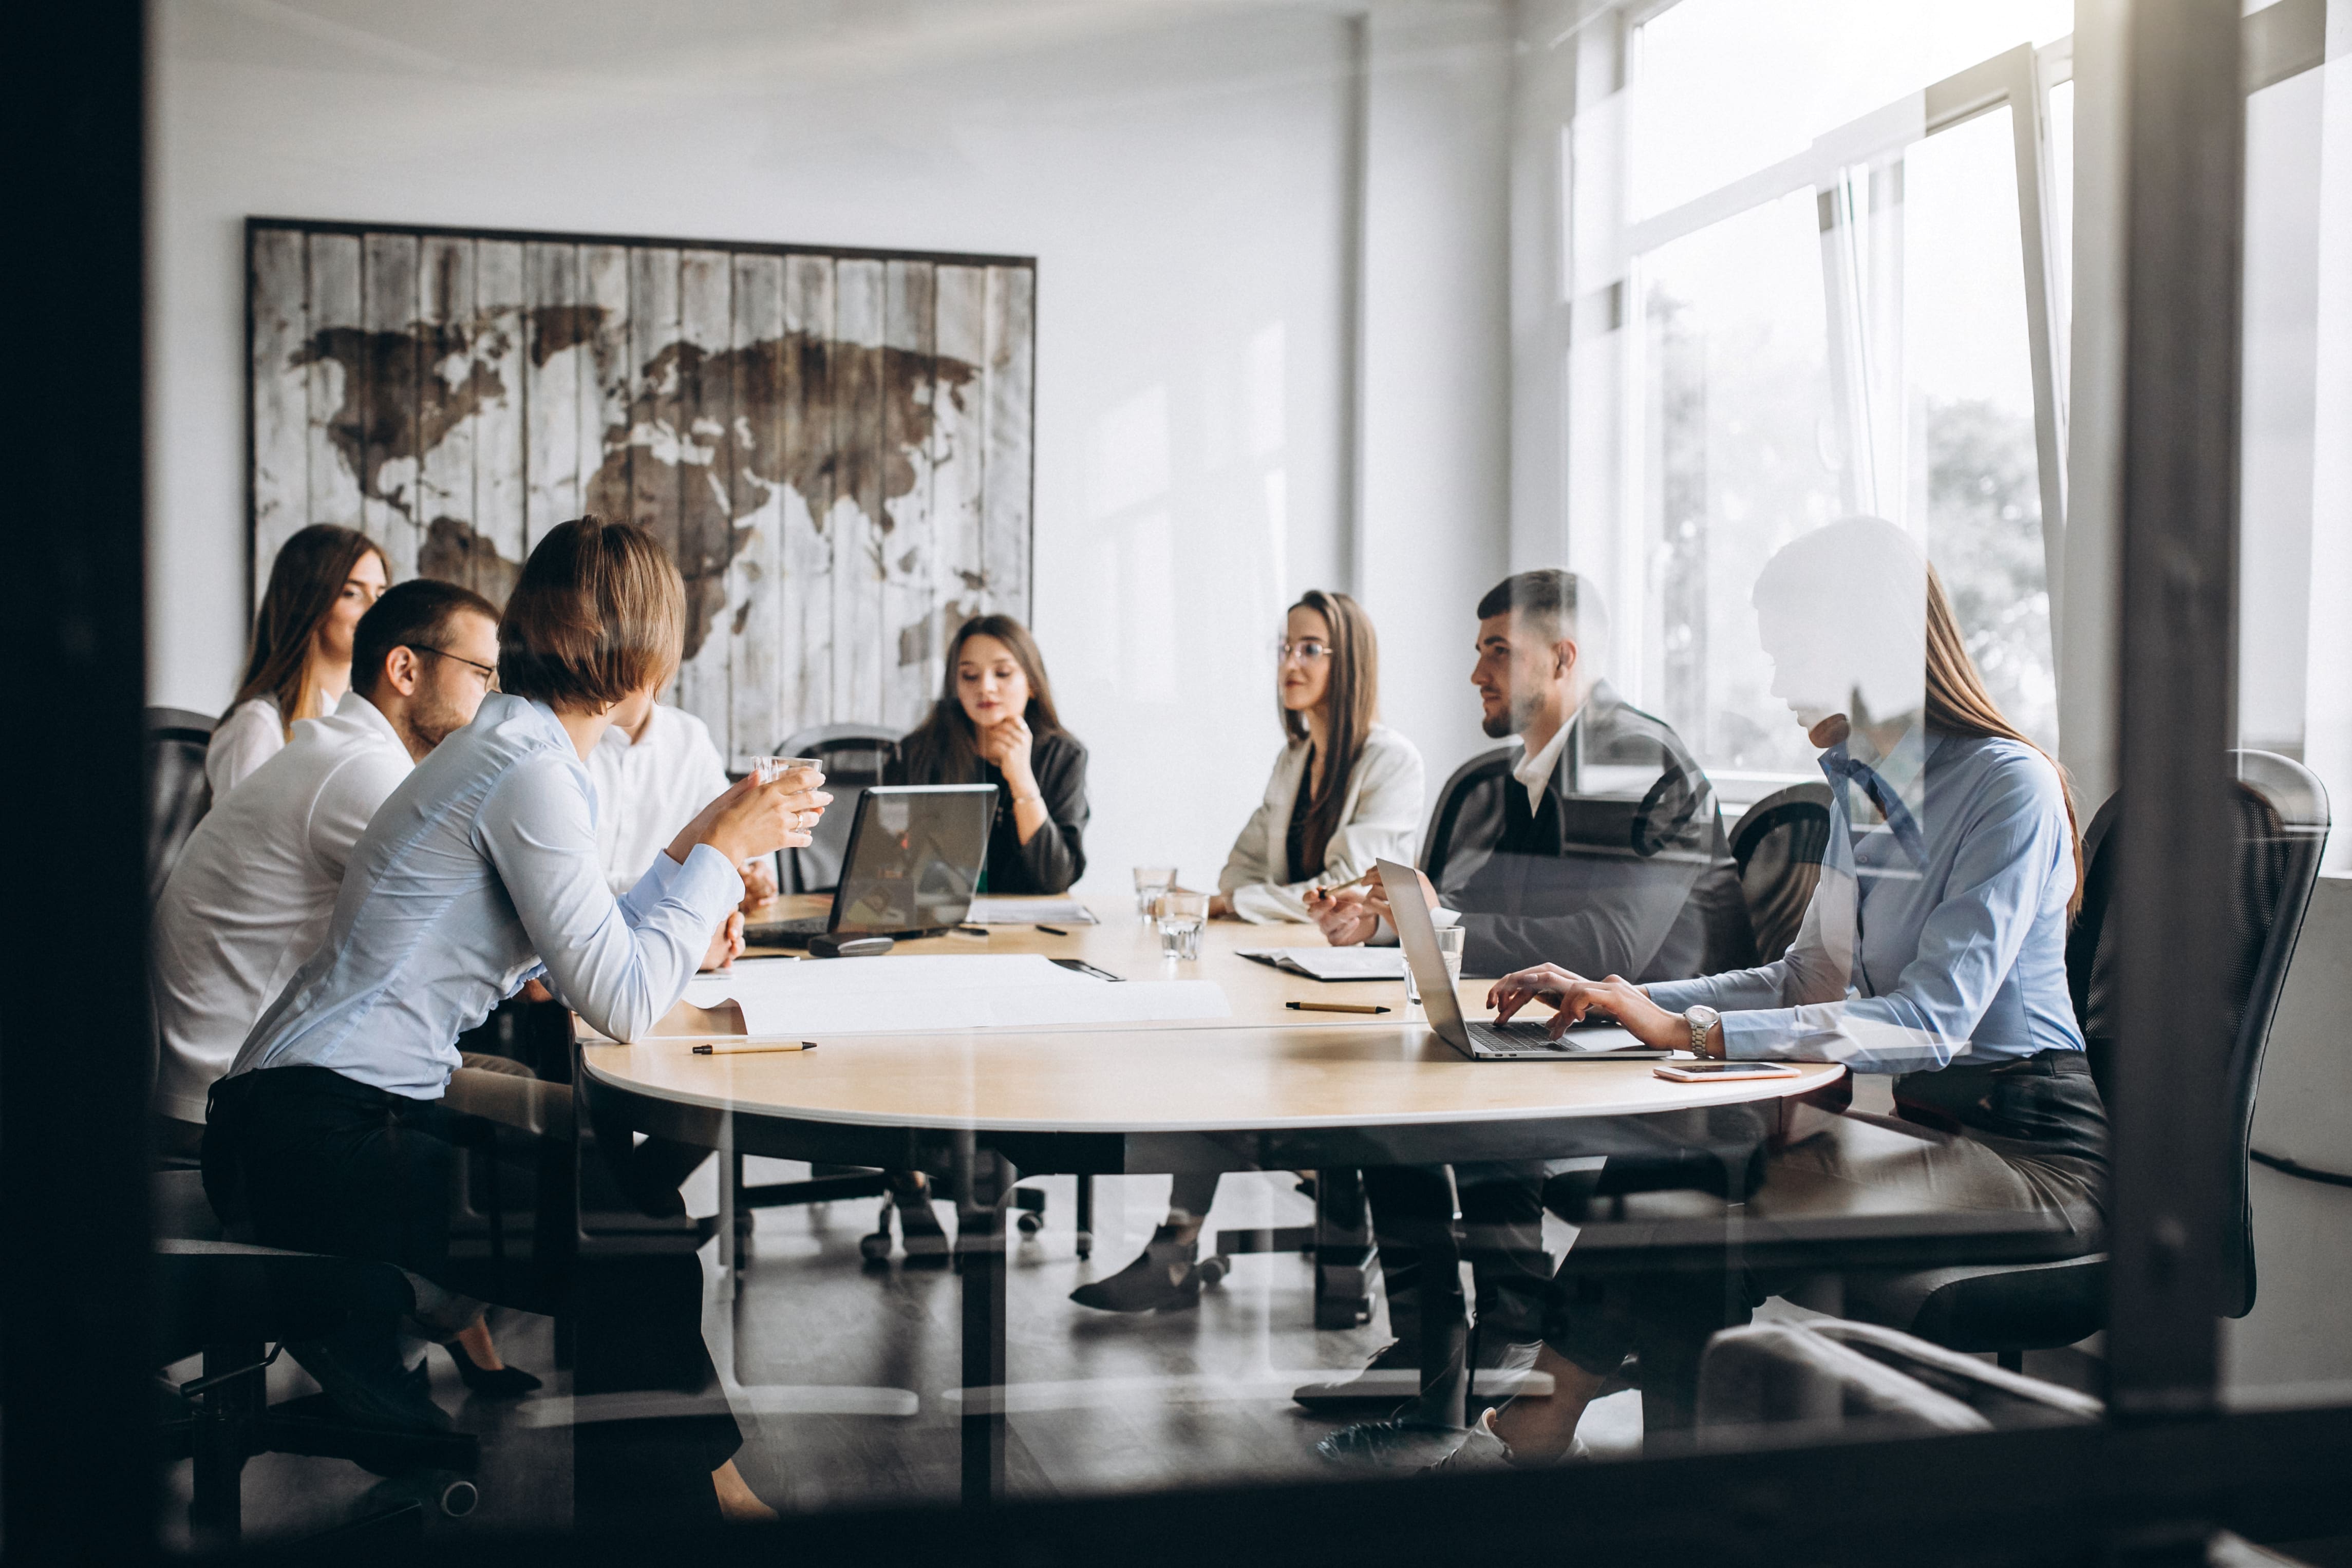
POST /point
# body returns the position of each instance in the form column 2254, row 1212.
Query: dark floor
column 844, row 1377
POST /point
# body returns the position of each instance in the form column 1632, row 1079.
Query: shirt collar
column 356, row 710
column 1535, row 771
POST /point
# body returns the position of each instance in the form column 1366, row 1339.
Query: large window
column 1829, row 300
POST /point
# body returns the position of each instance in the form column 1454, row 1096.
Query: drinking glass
column 1150, row 882
column 1449, row 948
column 1182, row 916
column 768, row 769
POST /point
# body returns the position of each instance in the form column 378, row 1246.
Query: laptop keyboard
column 1525, row 1035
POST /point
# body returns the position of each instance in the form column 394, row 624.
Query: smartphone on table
column 1716, row 1072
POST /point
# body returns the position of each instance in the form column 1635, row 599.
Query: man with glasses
column 251, row 895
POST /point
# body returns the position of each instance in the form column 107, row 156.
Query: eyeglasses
column 1308, row 652
column 489, row 671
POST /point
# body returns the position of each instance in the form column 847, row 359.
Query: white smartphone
column 1715, row 1071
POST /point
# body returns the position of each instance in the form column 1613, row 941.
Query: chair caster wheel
column 457, row 1497
column 875, row 1249
column 1085, row 1244
column 1212, row 1269
column 1030, row 1224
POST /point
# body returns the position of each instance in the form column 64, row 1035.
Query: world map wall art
column 835, row 443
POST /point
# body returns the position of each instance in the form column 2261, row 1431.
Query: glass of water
column 768, row 769
column 1150, row 882
column 1182, row 916
column 1449, row 948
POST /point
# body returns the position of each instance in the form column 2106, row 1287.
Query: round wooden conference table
column 1264, row 1089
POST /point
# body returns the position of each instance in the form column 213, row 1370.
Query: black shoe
column 1402, row 1443
column 918, row 1225
column 1165, row 1279
column 504, row 1383
column 1390, row 1377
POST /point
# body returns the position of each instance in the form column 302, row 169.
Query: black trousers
column 1502, row 1206
column 2026, row 1136
column 320, row 1163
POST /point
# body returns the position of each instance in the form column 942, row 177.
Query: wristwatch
column 1701, row 1021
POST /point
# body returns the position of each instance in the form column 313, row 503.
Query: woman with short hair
column 299, row 663
column 477, row 875
column 1346, row 792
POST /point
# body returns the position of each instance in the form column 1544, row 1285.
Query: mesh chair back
column 854, row 757
column 177, row 794
column 1777, row 848
column 2281, row 828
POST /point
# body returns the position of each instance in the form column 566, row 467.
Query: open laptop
column 1522, row 1039
column 913, row 861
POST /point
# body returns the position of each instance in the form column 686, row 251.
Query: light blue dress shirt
column 478, row 873
column 1940, row 938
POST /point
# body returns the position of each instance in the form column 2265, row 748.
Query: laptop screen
column 915, row 857
column 1418, row 933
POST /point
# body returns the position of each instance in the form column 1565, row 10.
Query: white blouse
column 1380, row 818
column 250, row 736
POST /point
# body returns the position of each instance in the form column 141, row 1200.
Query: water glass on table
column 1150, row 882
column 1182, row 916
column 1449, row 948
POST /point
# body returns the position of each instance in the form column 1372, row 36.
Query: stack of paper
column 935, row 993
column 1333, row 963
column 986, row 911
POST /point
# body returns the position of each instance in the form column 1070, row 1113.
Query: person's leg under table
column 1412, row 1219
column 1593, row 1321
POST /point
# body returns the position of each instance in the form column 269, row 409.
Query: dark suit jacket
column 1622, row 869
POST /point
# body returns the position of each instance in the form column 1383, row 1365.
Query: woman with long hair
column 1933, row 951
column 478, row 876
column 1345, row 791
column 299, row 664
column 994, row 724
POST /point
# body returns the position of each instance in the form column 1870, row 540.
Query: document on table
column 931, row 993
column 987, row 911
column 1333, row 963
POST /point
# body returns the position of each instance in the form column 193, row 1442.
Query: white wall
column 1183, row 171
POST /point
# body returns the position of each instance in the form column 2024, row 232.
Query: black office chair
column 855, row 755
column 177, row 794
column 2282, row 826
column 240, row 1307
column 1778, row 847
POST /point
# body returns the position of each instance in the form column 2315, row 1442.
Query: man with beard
column 251, row 895
column 1592, row 841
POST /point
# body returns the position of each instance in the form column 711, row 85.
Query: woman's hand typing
column 1575, row 995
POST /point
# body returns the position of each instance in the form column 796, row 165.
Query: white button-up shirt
column 477, row 874
column 646, row 792
column 1535, row 769
column 253, row 890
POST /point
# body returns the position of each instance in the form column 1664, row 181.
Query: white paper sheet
column 933, row 993
column 1333, row 963
column 986, row 911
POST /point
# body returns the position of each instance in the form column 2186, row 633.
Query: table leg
column 983, row 1186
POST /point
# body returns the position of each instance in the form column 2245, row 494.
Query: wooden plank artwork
column 835, row 448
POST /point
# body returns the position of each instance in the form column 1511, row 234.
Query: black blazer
column 1621, row 868
column 1056, row 855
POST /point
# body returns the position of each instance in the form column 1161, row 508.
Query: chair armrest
column 526, row 1104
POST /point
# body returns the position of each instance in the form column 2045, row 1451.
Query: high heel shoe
column 1165, row 1279
column 499, row 1383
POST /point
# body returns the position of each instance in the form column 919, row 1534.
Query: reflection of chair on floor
column 241, row 1306
column 2282, row 826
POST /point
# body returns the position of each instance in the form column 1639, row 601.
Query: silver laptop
column 1521, row 1040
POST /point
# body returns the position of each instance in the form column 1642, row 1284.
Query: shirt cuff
column 707, row 883
column 1749, row 1036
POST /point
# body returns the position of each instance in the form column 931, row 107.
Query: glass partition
column 1398, row 989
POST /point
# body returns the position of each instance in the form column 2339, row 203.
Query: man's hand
column 726, row 942
column 1575, row 995
column 759, row 883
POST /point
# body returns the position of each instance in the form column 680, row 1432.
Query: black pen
column 1053, row 931
column 971, row 930
column 1332, row 1008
